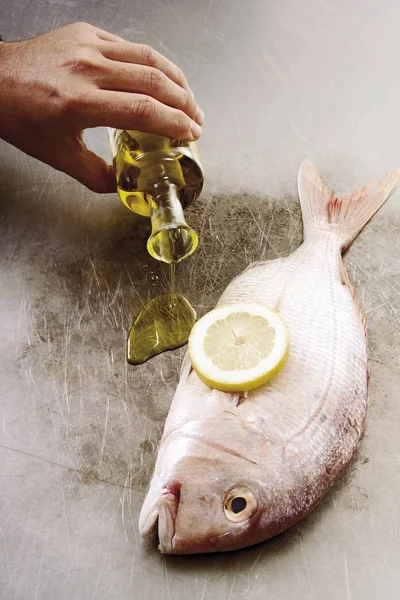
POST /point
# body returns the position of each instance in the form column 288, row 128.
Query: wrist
column 6, row 87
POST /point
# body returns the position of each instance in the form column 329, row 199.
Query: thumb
column 88, row 168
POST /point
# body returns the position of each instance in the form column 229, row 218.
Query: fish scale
column 281, row 447
column 300, row 336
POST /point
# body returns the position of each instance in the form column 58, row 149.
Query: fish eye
column 239, row 504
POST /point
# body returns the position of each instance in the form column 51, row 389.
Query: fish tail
column 322, row 210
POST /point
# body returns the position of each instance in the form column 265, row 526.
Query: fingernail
column 195, row 130
column 199, row 116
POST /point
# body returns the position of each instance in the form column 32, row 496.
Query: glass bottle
column 159, row 178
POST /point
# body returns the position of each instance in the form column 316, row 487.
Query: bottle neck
column 171, row 238
column 166, row 209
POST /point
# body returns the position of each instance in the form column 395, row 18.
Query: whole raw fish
column 235, row 469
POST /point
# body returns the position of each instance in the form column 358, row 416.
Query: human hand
column 56, row 85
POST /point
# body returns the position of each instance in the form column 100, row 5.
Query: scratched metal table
column 278, row 81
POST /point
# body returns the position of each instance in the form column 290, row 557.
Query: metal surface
column 278, row 81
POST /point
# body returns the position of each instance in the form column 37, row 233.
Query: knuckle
column 190, row 104
column 149, row 56
column 82, row 28
column 181, row 78
column 144, row 109
column 155, row 80
column 182, row 123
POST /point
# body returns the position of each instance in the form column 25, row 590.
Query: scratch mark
column 204, row 587
column 56, row 464
column 105, row 432
column 310, row 583
column 165, row 569
column 346, row 574
column 5, row 555
column 40, row 568
column 208, row 10
column 106, row 551
column 256, row 561
column 233, row 582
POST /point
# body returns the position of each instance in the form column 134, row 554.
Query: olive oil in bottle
column 159, row 178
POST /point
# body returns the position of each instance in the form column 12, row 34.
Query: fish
column 235, row 469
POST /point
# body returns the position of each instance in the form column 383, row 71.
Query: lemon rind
column 239, row 379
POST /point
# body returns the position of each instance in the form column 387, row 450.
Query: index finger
column 141, row 54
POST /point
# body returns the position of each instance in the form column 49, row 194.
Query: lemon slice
column 238, row 347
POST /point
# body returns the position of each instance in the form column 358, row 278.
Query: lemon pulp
column 238, row 347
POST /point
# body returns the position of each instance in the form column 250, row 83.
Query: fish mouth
column 163, row 514
column 160, row 518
